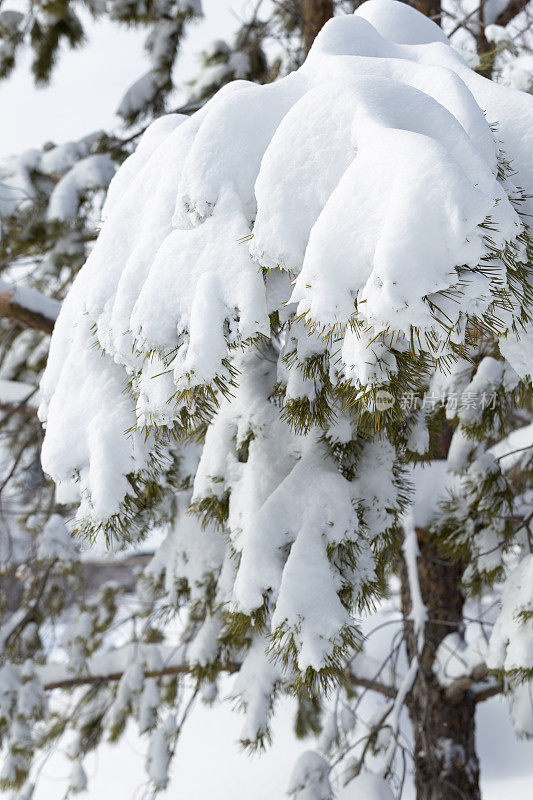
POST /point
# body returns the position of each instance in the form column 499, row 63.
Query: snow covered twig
column 27, row 307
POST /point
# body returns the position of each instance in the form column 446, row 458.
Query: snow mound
column 310, row 780
column 366, row 786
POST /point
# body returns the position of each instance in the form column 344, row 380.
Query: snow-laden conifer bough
column 274, row 275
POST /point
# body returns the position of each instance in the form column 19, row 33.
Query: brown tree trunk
column 446, row 763
column 315, row 14
column 431, row 8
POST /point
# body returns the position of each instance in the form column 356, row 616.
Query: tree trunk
column 315, row 14
column 431, row 8
column 446, row 763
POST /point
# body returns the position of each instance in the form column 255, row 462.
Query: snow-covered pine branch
column 243, row 216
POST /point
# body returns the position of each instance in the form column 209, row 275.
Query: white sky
column 89, row 83
column 86, row 89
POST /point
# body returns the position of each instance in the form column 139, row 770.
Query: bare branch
column 512, row 10
column 27, row 307
column 110, row 666
column 373, row 685
column 478, row 684
column 484, row 691
column 91, row 680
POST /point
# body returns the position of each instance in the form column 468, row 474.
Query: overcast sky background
column 87, row 87
column 88, row 83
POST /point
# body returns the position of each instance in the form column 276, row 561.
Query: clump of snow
column 401, row 25
column 98, row 409
column 31, row 299
column 78, row 778
column 153, row 136
column 431, row 482
column 366, row 786
column 254, row 686
column 418, row 613
column 158, row 758
column 78, row 172
column 496, row 34
column 521, row 706
column 518, row 73
column 519, row 352
column 515, row 447
column 310, row 778
column 456, row 658
column 140, row 94
column 148, row 706
column 93, row 172
column 222, row 64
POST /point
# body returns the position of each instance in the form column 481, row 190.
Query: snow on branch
column 92, row 172
column 418, row 613
column 27, row 307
